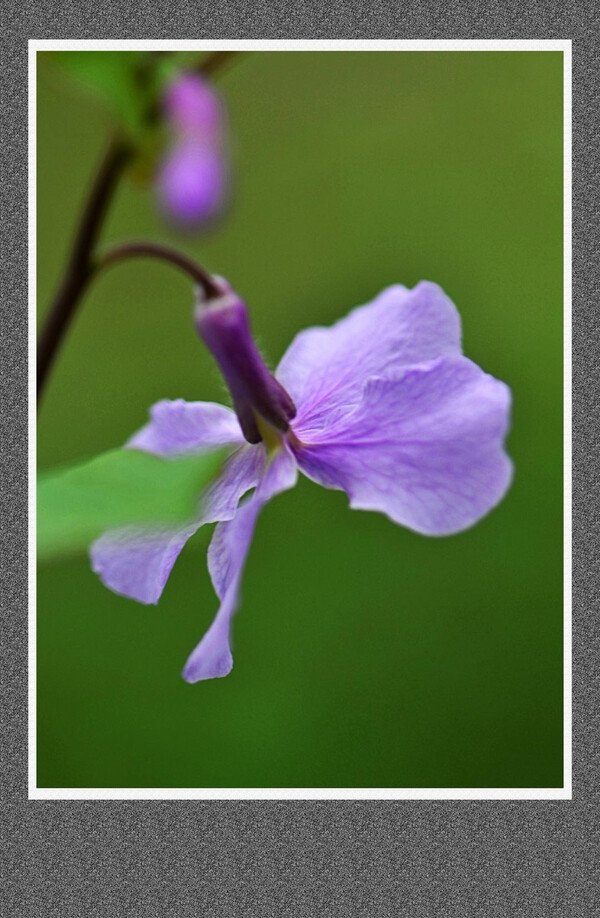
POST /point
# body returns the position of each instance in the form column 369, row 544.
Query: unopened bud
column 222, row 323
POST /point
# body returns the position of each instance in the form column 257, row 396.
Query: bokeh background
column 365, row 655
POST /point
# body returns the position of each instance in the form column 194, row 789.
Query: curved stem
column 163, row 253
column 80, row 266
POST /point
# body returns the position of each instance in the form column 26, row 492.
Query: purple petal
column 324, row 369
column 136, row 562
column 192, row 181
column 425, row 447
column 226, row 557
column 242, row 471
column 179, row 427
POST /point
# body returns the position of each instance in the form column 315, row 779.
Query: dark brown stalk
column 216, row 61
column 79, row 265
column 162, row 253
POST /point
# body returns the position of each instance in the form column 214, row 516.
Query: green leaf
column 115, row 79
column 118, row 488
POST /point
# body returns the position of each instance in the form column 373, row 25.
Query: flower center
column 271, row 437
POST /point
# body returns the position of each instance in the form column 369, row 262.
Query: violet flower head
column 382, row 405
column 192, row 179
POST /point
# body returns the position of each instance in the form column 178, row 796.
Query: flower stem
column 80, row 263
column 216, row 61
column 163, row 253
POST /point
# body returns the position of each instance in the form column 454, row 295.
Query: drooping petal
column 324, row 369
column 424, row 447
column 226, row 557
column 136, row 562
column 179, row 427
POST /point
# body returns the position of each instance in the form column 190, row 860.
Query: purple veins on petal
column 136, row 562
column 179, row 427
column 324, row 369
column 226, row 558
column 423, row 446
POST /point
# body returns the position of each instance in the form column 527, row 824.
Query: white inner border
column 298, row 793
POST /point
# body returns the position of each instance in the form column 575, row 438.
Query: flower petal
column 425, row 447
column 324, row 369
column 136, row 562
column 179, row 427
column 226, row 557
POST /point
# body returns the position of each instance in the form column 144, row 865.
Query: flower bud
column 192, row 179
column 223, row 325
column 192, row 183
column 192, row 106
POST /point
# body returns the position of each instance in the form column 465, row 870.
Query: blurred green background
column 365, row 655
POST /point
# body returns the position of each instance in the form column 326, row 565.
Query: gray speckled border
column 344, row 858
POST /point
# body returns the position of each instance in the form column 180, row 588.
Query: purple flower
column 192, row 178
column 382, row 405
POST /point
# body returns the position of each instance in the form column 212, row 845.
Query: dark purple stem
column 216, row 61
column 79, row 266
column 162, row 253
